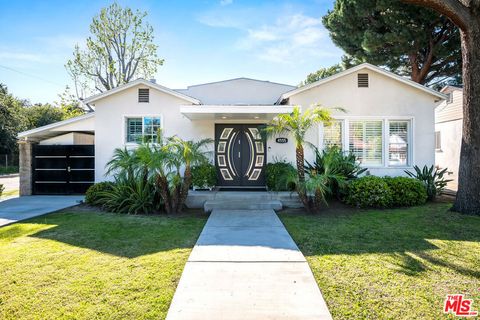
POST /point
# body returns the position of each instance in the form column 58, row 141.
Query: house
column 389, row 125
column 448, row 133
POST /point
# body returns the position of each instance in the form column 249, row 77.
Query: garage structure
column 58, row 158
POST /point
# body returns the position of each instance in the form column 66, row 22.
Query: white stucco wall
column 384, row 98
column 69, row 139
column 110, row 114
column 449, row 154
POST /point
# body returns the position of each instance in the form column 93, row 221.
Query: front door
column 240, row 155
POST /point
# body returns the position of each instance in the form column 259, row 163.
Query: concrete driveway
column 17, row 209
column 245, row 266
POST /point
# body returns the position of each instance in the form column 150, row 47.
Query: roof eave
column 369, row 66
column 146, row 83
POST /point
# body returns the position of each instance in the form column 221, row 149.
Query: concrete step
column 245, row 204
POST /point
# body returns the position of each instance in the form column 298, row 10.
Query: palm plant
column 298, row 124
column 432, row 178
column 334, row 160
column 191, row 154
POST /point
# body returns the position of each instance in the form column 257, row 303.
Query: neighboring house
column 389, row 125
column 448, row 133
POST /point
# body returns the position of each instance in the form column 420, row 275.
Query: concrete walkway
column 16, row 209
column 245, row 266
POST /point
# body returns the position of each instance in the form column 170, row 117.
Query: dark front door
column 240, row 155
column 68, row 169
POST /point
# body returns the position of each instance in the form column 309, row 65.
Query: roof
column 450, row 88
column 55, row 125
column 238, row 91
column 145, row 83
column 357, row 68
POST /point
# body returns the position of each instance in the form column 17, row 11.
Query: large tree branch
column 454, row 9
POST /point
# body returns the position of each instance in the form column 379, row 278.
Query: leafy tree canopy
column 119, row 50
column 18, row 115
column 409, row 40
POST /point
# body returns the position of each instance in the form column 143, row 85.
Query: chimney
column 153, row 80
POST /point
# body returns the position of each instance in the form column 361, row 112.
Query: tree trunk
column 162, row 185
column 468, row 194
column 300, row 163
column 301, row 190
column 187, row 181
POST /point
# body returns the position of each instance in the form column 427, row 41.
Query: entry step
column 244, row 204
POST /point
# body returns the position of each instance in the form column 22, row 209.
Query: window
column 332, row 135
column 143, row 95
column 362, row 80
column 142, row 129
column 438, row 140
column 398, row 143
column 365, row 141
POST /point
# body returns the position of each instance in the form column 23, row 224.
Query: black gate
column 68, row 169
column 240, row 155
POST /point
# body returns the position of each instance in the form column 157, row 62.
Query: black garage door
column 63, row 169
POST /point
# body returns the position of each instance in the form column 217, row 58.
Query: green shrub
column 432, row 178
column 406, row 192
column 132, row 196
column 2, row 188
column 369, row 191
column 204, row 175
column 93, row 196
column 278, row 176
column 336, row 165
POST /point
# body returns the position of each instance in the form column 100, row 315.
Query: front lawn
column 390, row 264
column 89, row 265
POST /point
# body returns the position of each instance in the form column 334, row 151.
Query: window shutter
column 365, row 141
column 398, row 143
column 363, row 80
column 332, row 134
column 143, row 95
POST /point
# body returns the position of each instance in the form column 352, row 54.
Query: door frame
column 243, row 183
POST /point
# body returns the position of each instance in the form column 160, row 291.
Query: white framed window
column 142, row 128
column 399, row 143
column 333, row 135
column 366, row 141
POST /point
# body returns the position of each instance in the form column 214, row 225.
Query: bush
column 432, row 178
column 369, row 191
column 132, row 196
column 279, row 176
column 406, row 192
column 336, row 165
column 204, row 176
column 93, row 194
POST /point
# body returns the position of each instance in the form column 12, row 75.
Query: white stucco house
column 448, row 133
column 389, row 125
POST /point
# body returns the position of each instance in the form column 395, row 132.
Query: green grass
column 390, row 264
column 89, row 265
column 8, row 170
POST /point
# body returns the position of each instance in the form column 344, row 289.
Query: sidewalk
column 245, row 265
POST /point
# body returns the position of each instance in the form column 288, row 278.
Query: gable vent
column 143, row 95
column 363, row 80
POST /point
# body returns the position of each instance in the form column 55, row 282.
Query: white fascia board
column 145, row 83
column 368, row 66
column 55, row 125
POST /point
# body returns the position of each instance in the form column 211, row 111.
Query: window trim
column 143, row 116
column 385, row 136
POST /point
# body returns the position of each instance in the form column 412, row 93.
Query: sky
column 201, row 41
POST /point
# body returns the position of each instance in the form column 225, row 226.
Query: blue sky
column 201, row 41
